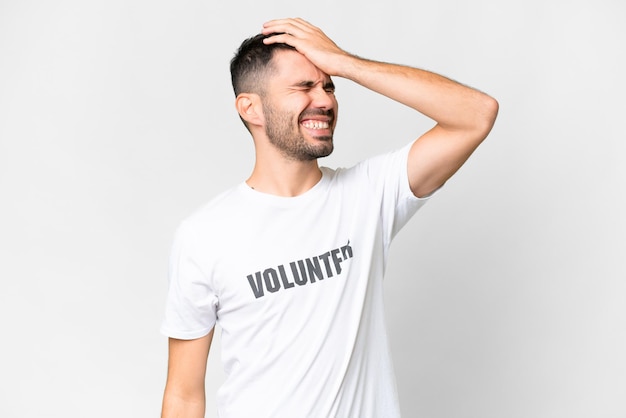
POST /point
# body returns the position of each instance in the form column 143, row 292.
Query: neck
column 284, row 177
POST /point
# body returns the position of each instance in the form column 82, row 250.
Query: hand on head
column 308, row 40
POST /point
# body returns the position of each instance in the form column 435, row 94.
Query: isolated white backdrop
column 505, row 295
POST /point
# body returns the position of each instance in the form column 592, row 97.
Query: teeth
column 315, row 124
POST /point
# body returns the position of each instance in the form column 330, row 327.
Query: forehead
column 291, row 67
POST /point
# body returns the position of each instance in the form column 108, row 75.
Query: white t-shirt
column 296, row 286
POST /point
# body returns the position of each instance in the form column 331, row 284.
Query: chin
column 325, row 152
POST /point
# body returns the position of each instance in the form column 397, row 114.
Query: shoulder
column 372, row 169
column 223, row 202
column 212, row 216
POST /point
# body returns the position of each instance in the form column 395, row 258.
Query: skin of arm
column 184, row 395
column 464, row 116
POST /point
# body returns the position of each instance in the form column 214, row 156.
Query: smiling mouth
column 315, row 124
column 317, row 119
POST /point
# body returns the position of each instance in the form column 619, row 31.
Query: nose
column 322, row 99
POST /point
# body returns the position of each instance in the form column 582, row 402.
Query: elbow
column 486, row 117
column 491, row 108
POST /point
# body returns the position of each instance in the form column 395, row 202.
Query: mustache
column 318, row 112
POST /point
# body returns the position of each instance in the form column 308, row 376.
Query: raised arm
column 184, row 395
column 463, row 116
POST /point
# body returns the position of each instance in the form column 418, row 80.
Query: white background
column 506, row 295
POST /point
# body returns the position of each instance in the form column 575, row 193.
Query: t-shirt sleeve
column 398, row 204
column 191, row 301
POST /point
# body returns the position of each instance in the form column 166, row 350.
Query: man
column 290, row 262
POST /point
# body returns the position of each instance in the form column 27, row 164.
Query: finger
column 285, row 38
column 287, row 21
column 291, row 26
column 280, row 38
column 301, row 24
column 282, row 34
column 280, row 28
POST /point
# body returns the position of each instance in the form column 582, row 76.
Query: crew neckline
column 285, row 201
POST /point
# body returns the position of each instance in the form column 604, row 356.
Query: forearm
column 176, row 405
column 184, row 395
column 452, row 105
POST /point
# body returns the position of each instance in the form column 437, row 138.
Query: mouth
column 318, row 122
column 315, row 124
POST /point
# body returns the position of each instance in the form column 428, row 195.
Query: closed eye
column 329, row 87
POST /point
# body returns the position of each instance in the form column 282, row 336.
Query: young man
column 290, row 262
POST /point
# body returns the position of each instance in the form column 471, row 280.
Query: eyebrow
column 311, row 84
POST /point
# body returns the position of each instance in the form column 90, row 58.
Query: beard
column 280, row 130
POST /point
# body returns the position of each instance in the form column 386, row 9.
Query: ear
column 250, row 109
